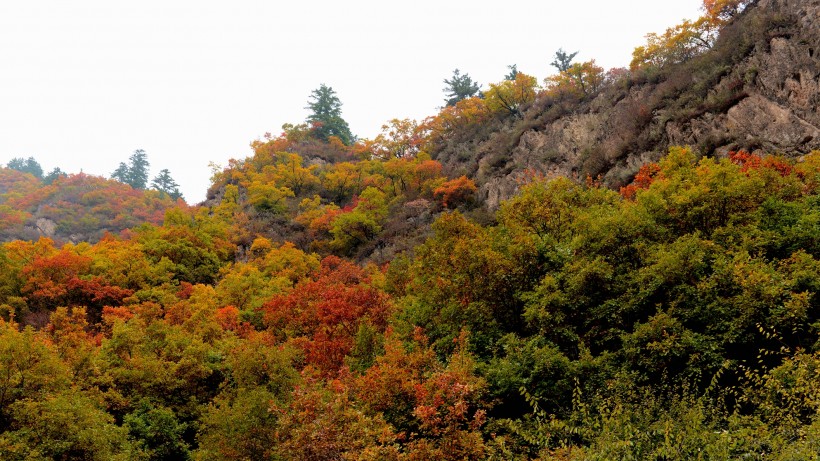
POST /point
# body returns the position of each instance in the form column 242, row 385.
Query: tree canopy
column 563, row 60
column 164, row 183
column 29, row 165
column 135, row 173
column 459, row 87
column 326, row 116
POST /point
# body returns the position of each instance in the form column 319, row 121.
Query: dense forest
column 337, row 298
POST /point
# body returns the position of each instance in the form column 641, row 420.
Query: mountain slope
column 758, row 88
column 74, row 208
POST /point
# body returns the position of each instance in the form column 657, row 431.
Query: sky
column 83, row 84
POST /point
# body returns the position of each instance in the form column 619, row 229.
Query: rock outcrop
column 758, row 89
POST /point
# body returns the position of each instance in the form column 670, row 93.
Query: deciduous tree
column 510, row 94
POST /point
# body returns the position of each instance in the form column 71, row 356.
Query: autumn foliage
column 543, row 334
column 323, row 316
column 341, row 299
column 77, row 204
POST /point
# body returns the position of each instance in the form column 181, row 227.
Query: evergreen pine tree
column 326, row 116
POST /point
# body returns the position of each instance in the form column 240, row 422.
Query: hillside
column 676, row 318
column 538, row 273
column 74, row 208
column 584, row 122
column 755, row 89
column 358, row 201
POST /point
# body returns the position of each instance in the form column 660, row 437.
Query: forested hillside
column 424, row 295
column 79, row 207
column 75, row 207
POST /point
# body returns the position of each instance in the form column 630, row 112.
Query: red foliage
column 185, row 291
column 645, row 177
column 750, row 162
column 324, row 314
column 64, row 279
column 110, row 314
column 228, row 318
column 437, row 408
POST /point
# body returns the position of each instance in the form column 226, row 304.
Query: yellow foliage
column 509, row 95
column 580, row 80
column 677, row 44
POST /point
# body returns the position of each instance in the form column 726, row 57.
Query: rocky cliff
column 758, row 88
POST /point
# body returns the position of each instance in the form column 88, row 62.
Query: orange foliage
column 749, row 162
column 689, row 38
column 323, row 315
column 580, row 80
column 398, row 139
column 720, row 11
column 455, row 191
column 465, row 112
column 228, row 318
column 646, row 175
column 80, row 203
column 436, row 407
column 111, row 314
column 63, row 279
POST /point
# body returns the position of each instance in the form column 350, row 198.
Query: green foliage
column 164, row 183
column 362, row 223
column 29, row 165
column 513, row 72
column 64, row 426
column 563, row 60
column 326, row 116
column 30, row 369
column 53, row 175
column 459, row 87
column 158, row 431
column 269, row 197
column 677, row 320
column 463, row 277
column 239, row 426
column 135, row 173
column 192, row 247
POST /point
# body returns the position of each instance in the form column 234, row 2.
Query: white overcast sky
column 84, row 83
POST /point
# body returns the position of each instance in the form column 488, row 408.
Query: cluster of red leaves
column 323, row 315
column 64, row 279
column 646, row 175
column 434, row 407
column 750, row 162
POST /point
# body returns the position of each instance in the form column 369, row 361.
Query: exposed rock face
column 764, row 97
column 46, row 227
column 775, row 125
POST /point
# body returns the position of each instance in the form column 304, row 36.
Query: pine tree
column 138, row 171
column 135, row 174
column 563, row 60
column 28, row 165
column 164, row 183
column 513, row 72
column 459, row 87
column 53, row 175
column 326, row 116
